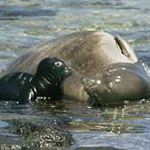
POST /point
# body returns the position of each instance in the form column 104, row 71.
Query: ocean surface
column 25, row 23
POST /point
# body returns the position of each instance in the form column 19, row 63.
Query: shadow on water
column 25, row 127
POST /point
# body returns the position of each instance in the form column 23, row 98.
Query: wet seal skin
column 45, row 84
column 118, row 84
column 92, row 55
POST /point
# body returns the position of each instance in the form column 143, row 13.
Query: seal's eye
column 58, row 64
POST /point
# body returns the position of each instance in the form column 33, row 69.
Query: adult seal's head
column 118, row 84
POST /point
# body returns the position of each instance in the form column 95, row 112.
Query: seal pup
column 24, row 87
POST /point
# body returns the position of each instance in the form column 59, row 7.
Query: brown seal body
column 88, row 53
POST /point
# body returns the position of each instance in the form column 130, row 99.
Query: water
column 24, row 24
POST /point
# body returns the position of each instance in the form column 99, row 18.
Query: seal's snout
column 68, row 71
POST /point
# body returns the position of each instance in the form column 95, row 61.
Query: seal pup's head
column 47, row 81
column 53, row 69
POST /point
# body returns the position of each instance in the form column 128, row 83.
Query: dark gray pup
column 24, row 87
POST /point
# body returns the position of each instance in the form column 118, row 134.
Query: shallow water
column 27, row 23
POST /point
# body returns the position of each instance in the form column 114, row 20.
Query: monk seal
column 24, row 87
column 87, row 52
